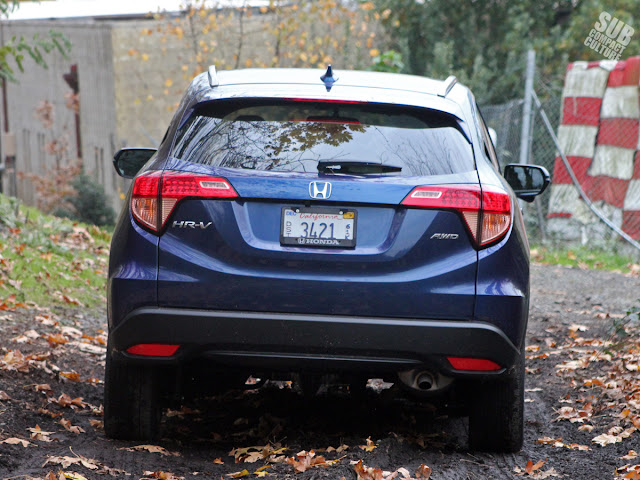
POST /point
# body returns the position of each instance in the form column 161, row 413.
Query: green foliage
column 90, row 204
column 585, row 257
column 36, row 48
column 6, row 7
column 485, row 43
column 48, row 260
column 389, row 61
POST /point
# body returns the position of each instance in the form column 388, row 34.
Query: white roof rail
column 447, row 85
column 213, row 77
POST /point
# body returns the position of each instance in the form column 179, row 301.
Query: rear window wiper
column 355, row 167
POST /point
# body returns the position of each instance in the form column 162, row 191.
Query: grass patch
column 584, row 257
column 48, row 261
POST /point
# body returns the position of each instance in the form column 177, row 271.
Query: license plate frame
column 315, row 214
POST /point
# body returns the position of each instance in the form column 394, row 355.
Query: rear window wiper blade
column 355, row 167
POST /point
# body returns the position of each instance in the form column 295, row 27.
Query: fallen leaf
column 56, row 339
column 163, row 475
column 304, row 460
column 71, row 300
column 606, row 439
column 14, row 360
column 261, row 472
column 240, row 474
column 218, row 461
column 44, row 411
column 4, row 396
column 73, row 376
column 367, row 473
column 578, row 328
column 576, row 446
column 632, row 471
column 38, row 434
column 73, row 476
column 65, row 400
column 258, row 452
column 370, row 446
column 530, row 468
column 423, row 472
column 547, row 473
column 340, row 449
column 72, row 428
column 98, row 424
column 16, row 441
column 556, row 442
column 151, row 449
column 404, row 472
column 535, row 474
column 64, row 462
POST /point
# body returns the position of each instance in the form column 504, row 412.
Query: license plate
column 318, row 227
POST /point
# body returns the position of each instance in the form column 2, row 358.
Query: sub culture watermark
column 609, row 36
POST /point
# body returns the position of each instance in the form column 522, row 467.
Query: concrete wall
column 92, row 54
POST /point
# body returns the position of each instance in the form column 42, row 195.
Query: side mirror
column 129, row 161
column 527, row 181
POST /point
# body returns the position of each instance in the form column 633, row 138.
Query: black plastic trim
column 301, row 340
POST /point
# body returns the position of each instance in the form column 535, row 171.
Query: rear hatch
column 306, row 207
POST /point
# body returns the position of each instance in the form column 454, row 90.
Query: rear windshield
column 338, row 138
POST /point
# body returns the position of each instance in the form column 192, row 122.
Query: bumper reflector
column 153, row 349
column 473, row 364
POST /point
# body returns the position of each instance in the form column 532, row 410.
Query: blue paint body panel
column 399, row 271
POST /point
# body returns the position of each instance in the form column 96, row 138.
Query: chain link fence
column 506, row 120
column 595, row 119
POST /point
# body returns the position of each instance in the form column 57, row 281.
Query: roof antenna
column 328, row 78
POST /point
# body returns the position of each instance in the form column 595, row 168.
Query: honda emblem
column 320, row 190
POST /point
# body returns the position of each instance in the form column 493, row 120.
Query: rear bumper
column 292, row 342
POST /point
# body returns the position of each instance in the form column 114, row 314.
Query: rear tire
column 132, row 406
column 496, row 417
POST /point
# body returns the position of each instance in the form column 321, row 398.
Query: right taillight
column 473, row 364
column 486, row 211
column 155, row 194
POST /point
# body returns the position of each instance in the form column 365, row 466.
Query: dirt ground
column 52, row 366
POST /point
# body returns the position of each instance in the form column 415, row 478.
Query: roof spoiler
column 213, row 77
column 447, row 85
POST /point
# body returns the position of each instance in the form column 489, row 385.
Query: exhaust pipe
column 424, row 380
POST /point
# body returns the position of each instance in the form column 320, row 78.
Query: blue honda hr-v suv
column 293, row 224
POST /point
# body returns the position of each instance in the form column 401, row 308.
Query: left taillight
column 156, row 194
column 153, row 349
column 486, row 211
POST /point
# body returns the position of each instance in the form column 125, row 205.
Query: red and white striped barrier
column 599, row 135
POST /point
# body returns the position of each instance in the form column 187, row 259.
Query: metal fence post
column 525, row 137
column 527, row 129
